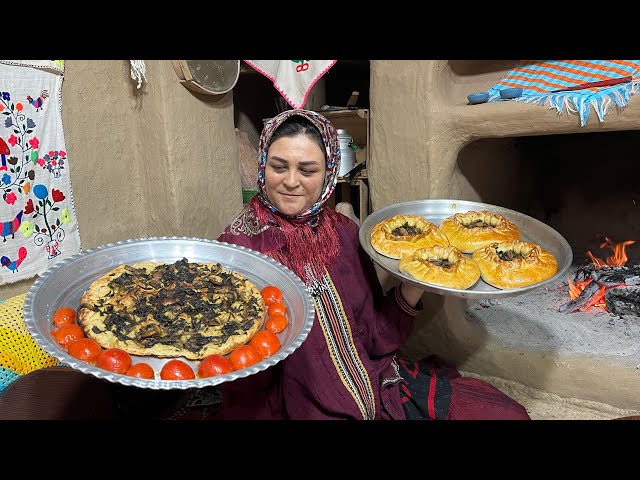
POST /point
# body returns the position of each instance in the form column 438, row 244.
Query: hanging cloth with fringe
column 560, row 84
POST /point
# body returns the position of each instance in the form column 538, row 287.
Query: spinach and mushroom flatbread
column 182, row 309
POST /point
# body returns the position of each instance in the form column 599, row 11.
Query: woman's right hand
column 411, row 294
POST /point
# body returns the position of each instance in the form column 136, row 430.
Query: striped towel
column 539, row 79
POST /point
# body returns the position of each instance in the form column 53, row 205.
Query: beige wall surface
column 159, row 161
column 155, row 161
column 408, row 117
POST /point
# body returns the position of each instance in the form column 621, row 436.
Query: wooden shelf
column 354, row 121
column 356, row 192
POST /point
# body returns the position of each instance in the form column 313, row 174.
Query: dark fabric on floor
column 435, row 390
column 57, row 393
column 62, row 393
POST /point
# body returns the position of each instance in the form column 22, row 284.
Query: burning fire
column 618, row 259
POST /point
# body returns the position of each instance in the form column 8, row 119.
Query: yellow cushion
column 19, row 352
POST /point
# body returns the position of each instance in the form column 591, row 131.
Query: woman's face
column 294, row 173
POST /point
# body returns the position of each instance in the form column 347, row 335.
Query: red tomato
column 114, row 360
column 276, row 323
column 214, row 365
column 68, row 334
column 277, row 309
column 266, row 342
column 176, row 370
column 64, row 316
column 271, row 294
column 141, row 370
column 244, row 356
column 86, row 349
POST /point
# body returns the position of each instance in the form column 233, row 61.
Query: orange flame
column 618, row 259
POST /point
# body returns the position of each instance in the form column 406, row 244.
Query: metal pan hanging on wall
column 210, row 77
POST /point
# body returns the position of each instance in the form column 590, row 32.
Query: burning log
column 581, row 300
column 623, row 300
column 613, row 278
column 608, row 284
column 584, row 272
column 610, row 276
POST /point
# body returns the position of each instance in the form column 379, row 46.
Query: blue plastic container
column 476, row 98
column 509, row 93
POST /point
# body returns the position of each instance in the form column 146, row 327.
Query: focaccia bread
column 476, row 229
column 514, row 264
column 402, row 234
column 183, row 309
column 442, row 266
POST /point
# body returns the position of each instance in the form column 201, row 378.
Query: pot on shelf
column 347, row 155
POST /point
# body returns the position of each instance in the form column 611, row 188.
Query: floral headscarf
column 311, row 239
column 332, row 146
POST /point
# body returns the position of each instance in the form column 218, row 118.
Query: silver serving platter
column 64, row 284
column 436, row 210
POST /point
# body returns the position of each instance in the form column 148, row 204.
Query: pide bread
column 514, row 264
column 472, row 230
column 402, row 234
column 179, row 309
column 442, row 266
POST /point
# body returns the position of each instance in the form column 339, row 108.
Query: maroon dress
column 347, row 367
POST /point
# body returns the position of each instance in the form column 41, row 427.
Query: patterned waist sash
column 339, row 338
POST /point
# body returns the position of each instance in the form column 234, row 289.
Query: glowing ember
column 618, row 259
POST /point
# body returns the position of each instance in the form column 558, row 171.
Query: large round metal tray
column 64, row 284
column 436, row 210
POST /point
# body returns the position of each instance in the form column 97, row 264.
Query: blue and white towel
column 541, row 79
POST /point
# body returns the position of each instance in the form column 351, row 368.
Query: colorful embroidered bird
column 38, row 102
column 10, row 227
column 4, row 151
column 13, row 265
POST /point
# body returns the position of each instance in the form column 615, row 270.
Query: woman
column 346, row 368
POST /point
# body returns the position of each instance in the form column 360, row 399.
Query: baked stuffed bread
column 476, row 229
column 514, row 264
column 402, row 234
column 442, row 266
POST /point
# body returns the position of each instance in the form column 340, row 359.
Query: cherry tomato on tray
column 114, row 360
column 277, row 309
column 64, row 316
column 177, row 370
column 271, row 294
column 266, row 342
column 245, row 356
column 214, row 365
column 141, row 370
column 67, row 334
column 86, row 349
column 276, row 323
